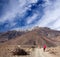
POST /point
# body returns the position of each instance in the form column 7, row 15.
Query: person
column 44, row 47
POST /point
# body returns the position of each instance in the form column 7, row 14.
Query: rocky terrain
column 28, row 40
column 5, row 36
column 37, row 36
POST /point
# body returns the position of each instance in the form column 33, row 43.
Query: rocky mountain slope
column 5, row 36
column 37, row 36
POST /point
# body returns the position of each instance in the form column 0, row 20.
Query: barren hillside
column 38, row 36
column 5, row 36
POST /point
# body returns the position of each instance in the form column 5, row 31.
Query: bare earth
column 37, row 52
column 40, row 53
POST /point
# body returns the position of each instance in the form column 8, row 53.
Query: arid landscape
column 31, row 42
column 29, row 28
column 7, row 51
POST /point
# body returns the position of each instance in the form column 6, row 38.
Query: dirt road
column 40, row 53
column 37, row 52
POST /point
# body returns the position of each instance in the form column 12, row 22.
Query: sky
column 26, row 14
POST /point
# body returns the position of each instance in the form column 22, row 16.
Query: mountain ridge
column 37, row 36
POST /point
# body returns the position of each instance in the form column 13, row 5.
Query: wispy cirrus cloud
column 18, row 14
column 51, row 15
column 12, row 9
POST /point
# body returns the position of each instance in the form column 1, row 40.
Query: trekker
column 44, row 47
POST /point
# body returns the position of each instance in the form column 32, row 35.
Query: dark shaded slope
column 10, row 35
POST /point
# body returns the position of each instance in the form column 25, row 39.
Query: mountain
column 37, row 36
column 5, row 36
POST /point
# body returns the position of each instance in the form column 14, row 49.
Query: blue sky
column 26, row 14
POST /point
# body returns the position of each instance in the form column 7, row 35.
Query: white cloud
column 16, row 7
column 56, row 24
column 52, row 12
column 30, row 27
column 32, row 18
column 33, row 1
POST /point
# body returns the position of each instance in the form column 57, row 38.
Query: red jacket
column 44, row 46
